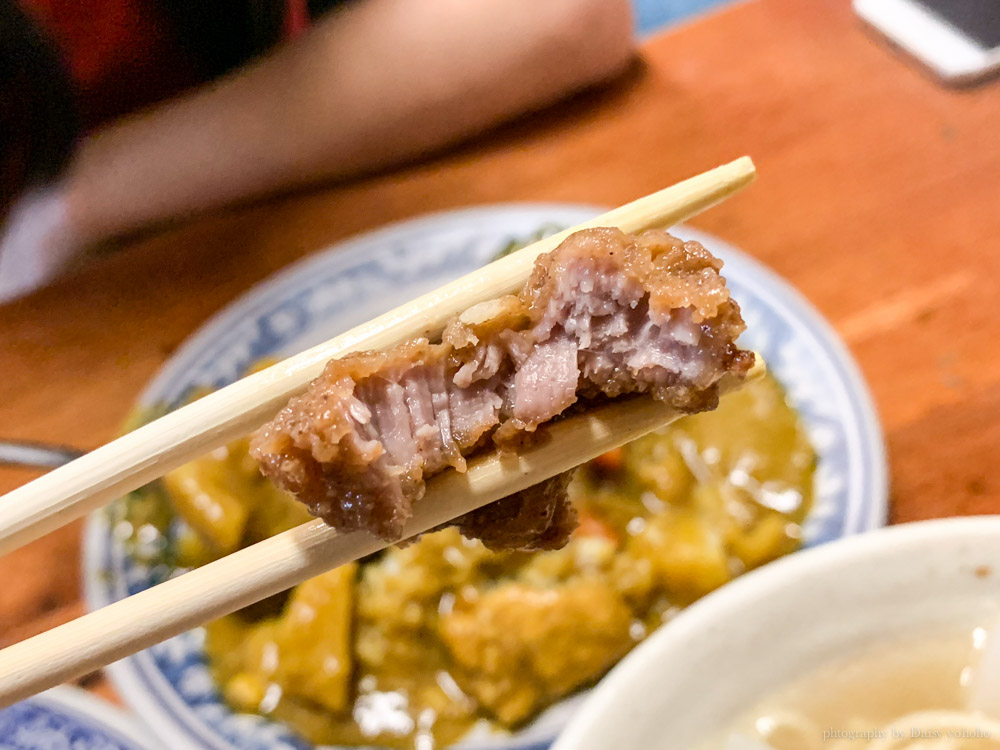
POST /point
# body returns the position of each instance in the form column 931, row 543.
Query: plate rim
column 86, row 707
column 155, row 711
column 869, row 422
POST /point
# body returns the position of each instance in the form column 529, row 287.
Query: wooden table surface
column 878, row 197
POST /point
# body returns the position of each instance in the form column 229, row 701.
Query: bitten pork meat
column 603, row 315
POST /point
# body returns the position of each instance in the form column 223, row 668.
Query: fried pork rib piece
column 603, row 315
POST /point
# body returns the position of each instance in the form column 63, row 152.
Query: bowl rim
column 750, row 589
column 166, row 712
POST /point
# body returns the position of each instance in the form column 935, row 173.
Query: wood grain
column 878, row 197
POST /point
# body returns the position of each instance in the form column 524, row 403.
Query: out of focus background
column 176, row 211
column 652, row 16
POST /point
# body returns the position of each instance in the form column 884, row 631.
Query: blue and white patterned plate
column 169, row 685
column 70, row 719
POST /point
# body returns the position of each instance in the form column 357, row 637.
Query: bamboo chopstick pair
column 287, row 559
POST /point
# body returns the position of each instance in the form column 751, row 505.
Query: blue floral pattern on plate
column 170, row 685
column 66, row 719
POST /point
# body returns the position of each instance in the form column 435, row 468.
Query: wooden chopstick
column 131, row 461
column 285, row 560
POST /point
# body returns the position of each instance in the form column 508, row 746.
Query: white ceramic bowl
column 696, row 675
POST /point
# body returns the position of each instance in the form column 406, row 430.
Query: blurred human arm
column 378, row 82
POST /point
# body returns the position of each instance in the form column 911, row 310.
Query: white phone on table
column 957, row 39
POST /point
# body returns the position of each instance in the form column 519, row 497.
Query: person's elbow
column 595, row 37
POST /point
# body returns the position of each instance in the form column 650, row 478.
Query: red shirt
column 122, row 54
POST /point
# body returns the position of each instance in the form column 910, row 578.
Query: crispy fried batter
column 603, row 315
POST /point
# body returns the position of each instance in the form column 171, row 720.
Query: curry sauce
column 415, row 647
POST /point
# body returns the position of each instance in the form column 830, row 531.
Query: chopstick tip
column 746, row 167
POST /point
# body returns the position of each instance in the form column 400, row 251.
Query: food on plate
column 416, row 647
column 480, row 626
column 935, row 690
column 604, row 315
